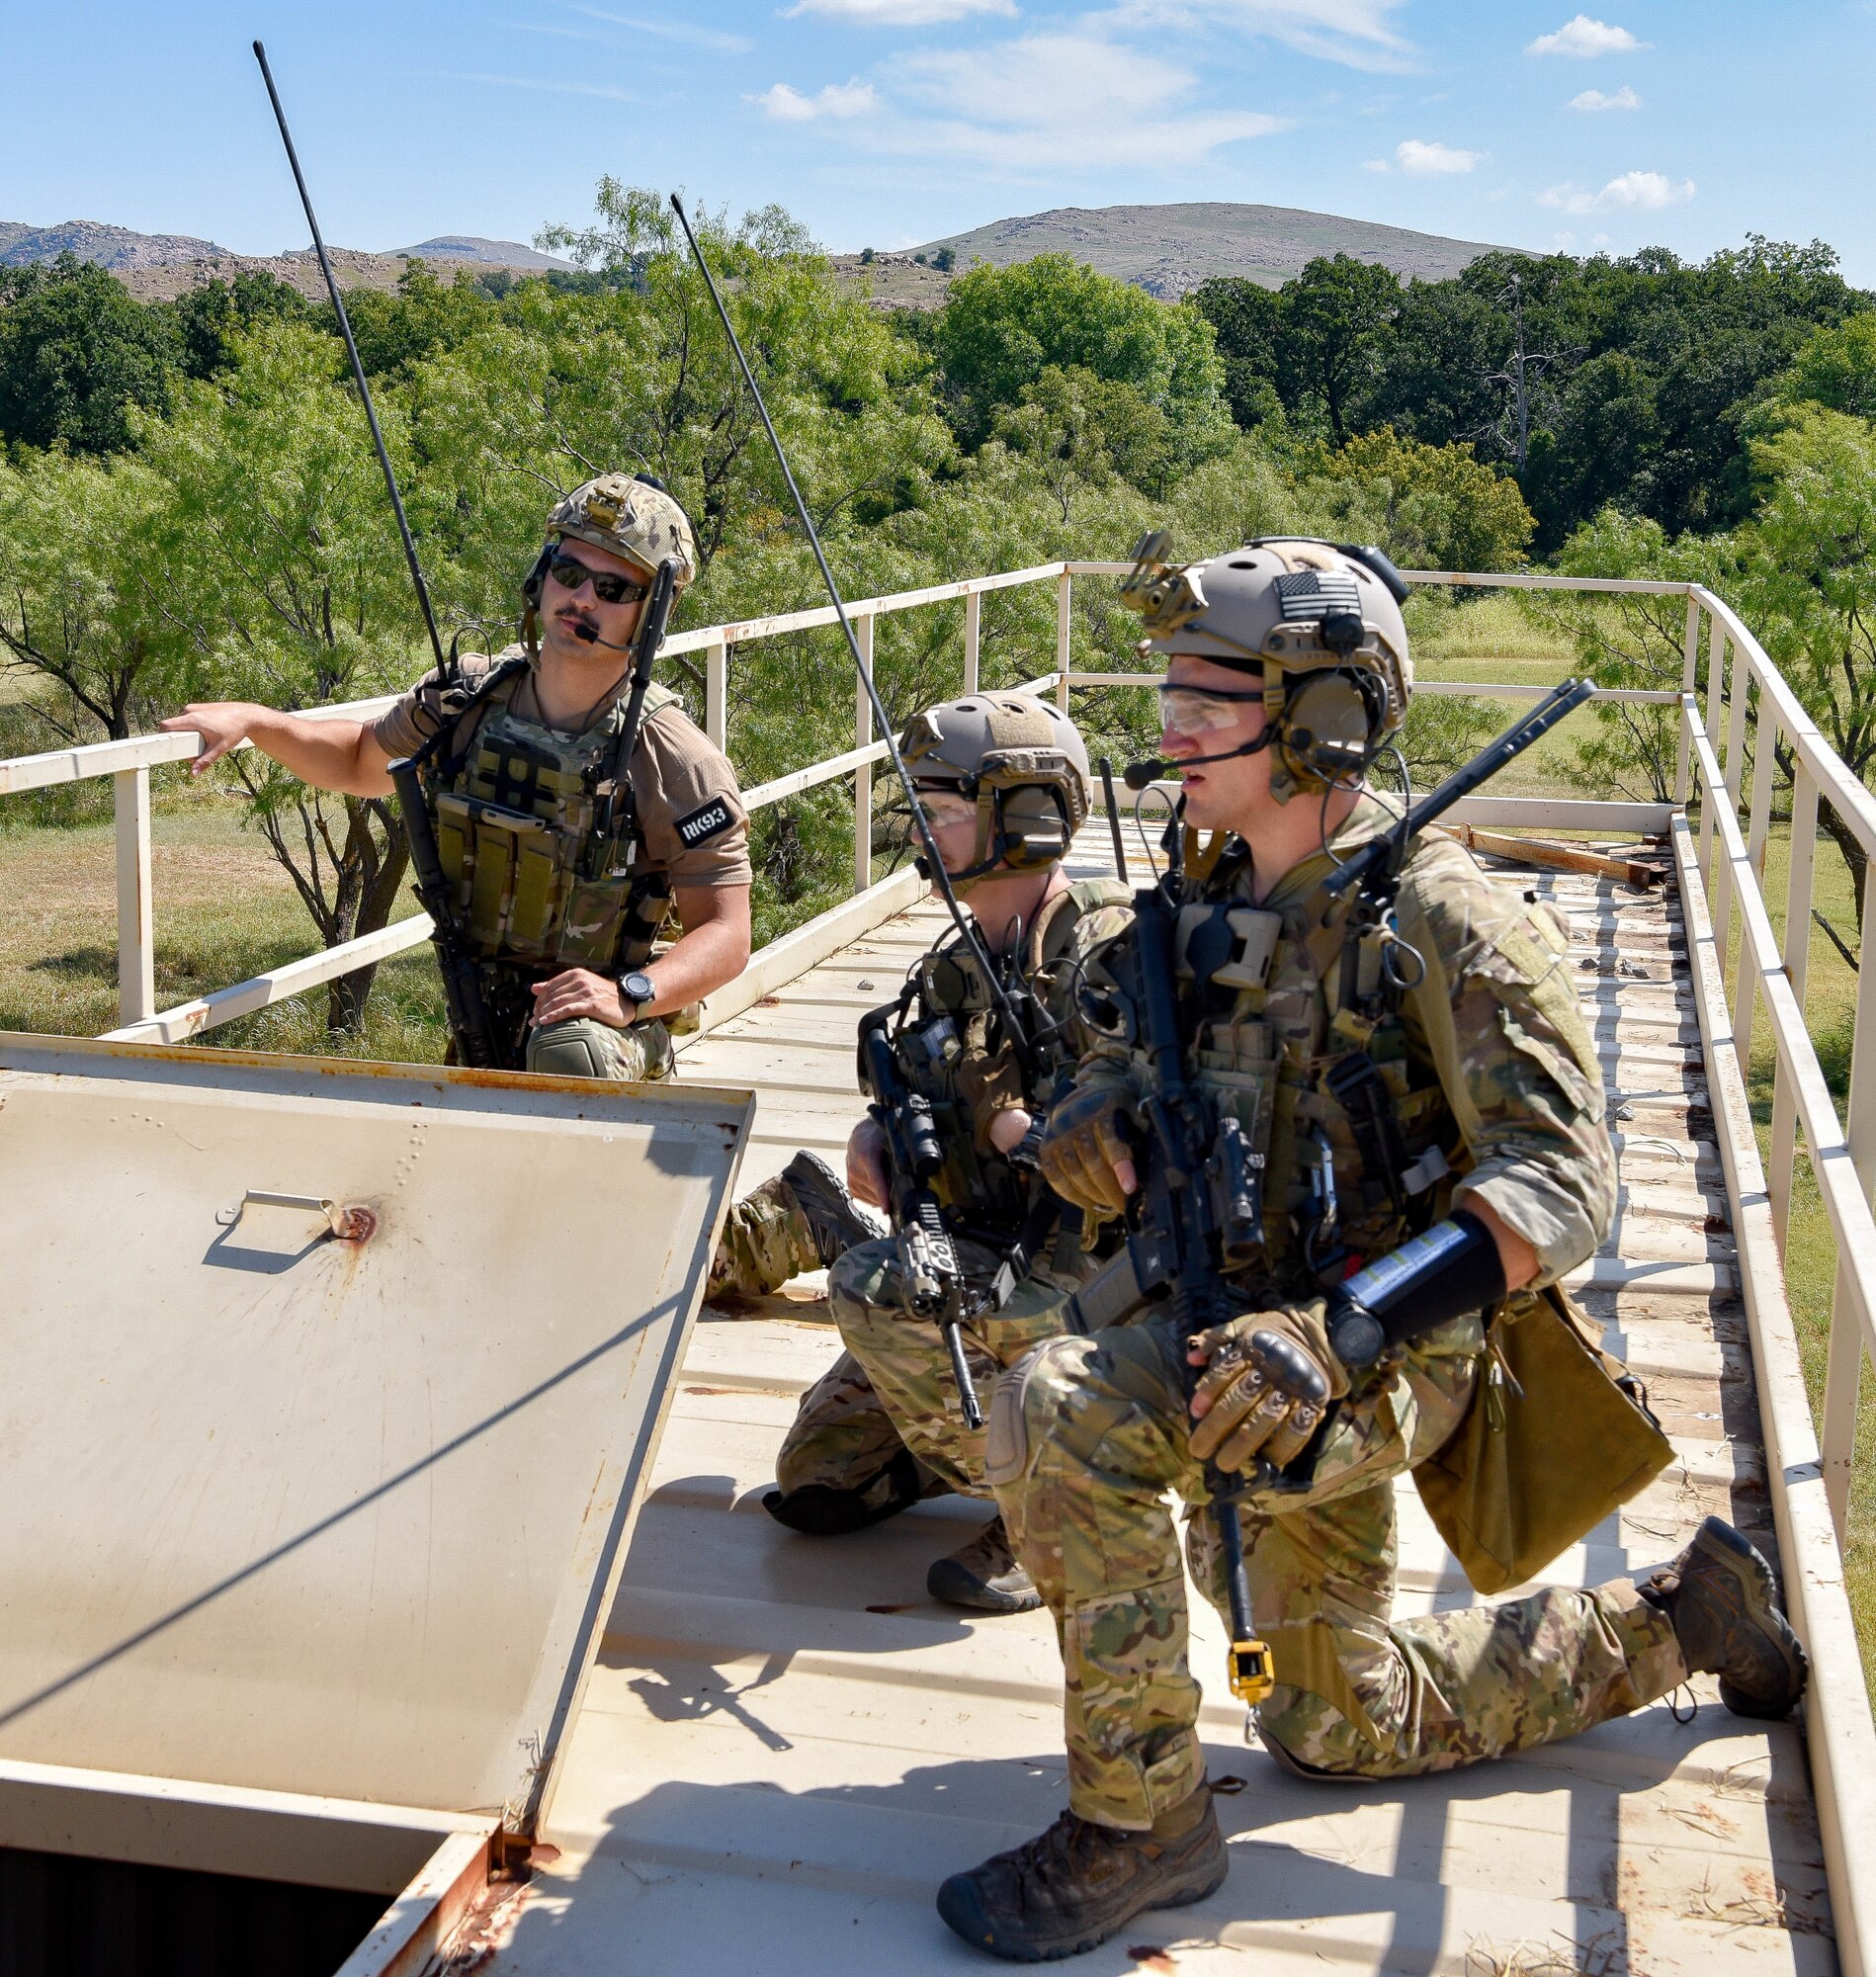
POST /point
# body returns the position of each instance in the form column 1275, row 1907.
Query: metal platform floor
column 786, row 1745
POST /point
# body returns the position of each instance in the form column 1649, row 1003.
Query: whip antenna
column 940, row 877
column 358, row 368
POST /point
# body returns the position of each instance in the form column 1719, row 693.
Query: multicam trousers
column 1086, row 1437
column 588, row 1048
column 892, row 1388
column 766, row 1241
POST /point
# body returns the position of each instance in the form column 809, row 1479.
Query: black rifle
column 1377, row 866
column 470, row 1025
column 930, row 1270
column 1199, row 1209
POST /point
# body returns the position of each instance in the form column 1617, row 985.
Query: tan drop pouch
column 1559, row 1434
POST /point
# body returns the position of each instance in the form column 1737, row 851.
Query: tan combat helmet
column 633, row 517
column 1319, row 620
column 1020, row 760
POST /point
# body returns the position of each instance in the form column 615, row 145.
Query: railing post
column 1845, row 1365
column 1689, row 684
column 1064, row 620
column 862, row 775
column 136, row 958
column 717, row 691
column 1733, row 770
column 1746, row 990
column 1716, row 677
column 1798, row 892
column 973, row 638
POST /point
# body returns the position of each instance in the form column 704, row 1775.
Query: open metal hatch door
column 328, row 1393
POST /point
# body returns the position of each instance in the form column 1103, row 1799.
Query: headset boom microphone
column 1018, row 1036
column 358, row 368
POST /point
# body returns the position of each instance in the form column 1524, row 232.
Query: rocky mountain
column 472, row 247
column 1169, row 249
column 114, row 247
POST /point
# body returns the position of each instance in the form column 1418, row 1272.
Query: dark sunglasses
column 607, row 585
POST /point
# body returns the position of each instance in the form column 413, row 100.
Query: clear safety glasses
column 1186, row 711
column 943, row 808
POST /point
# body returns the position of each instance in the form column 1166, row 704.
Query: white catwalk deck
column 786, row 1744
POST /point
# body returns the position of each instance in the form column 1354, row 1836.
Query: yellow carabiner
column 1252, row 1676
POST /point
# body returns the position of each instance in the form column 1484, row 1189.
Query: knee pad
column 1007, row 1437
column 820, row 1510
column 583, row 1048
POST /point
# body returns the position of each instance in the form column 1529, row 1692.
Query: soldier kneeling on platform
column 567, row 830
column 1464, row 1105
column 1003, row 782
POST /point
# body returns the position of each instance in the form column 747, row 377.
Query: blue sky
column 885, row 123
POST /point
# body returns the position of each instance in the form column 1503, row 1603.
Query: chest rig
column 1347, row 1134
column 949, row 1048
column 539, row 837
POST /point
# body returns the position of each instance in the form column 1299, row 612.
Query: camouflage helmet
column 633, row 517
column 1319, row 620
column 1020, row 759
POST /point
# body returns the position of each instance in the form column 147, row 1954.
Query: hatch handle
column 316, row 1204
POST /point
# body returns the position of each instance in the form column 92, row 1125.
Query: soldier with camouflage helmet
column 1472, row 1110
column 566, row 860
column 1003, row 781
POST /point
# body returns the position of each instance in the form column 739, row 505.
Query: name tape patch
column 706, row 821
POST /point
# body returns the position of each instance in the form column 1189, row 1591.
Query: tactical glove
column 1270, row 1377
column 1086, row 1137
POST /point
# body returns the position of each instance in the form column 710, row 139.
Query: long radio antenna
column 358, row 368
column 940, row 877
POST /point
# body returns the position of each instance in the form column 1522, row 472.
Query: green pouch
column 1559, row 1434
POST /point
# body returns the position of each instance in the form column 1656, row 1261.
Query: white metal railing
column 1720, row 873
column 128, row 764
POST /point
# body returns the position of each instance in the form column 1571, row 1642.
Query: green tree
column 1433, row 508
column 1246, row 321
column 287, row 586
column 1633, row 641
column 1002, row 328
column 1807, row 585
column 211, row 316
column 77, row 356
column 1336, row 317
column 80, row 578
column 396, row 330
column 1836, row 369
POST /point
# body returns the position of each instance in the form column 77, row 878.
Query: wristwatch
column 637, row 989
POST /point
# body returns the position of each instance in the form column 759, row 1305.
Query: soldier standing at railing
column 560, row 926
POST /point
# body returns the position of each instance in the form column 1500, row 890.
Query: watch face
column 638, row 988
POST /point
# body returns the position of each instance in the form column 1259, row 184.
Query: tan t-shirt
column 690, row 807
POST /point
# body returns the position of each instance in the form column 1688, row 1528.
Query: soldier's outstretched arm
column 331, row 754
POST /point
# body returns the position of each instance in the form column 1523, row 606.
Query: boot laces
column 1067, row 1850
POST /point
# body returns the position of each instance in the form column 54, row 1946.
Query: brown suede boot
column 1720, row 1595
column 984, row 1575
column 1072, row 1887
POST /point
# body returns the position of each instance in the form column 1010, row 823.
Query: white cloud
column 673, row 30
column 1638, row 190
column 1580, row 36
column 1424, row 160
column 1593, row 99
column 1354, row 32
column 1376, row 165
column 897, row 13
column 1046, row 103
column 841, row 99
